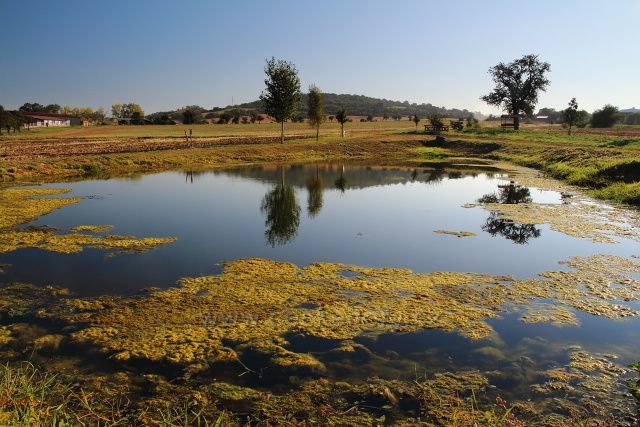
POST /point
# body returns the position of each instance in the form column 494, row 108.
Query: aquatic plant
column 92, row 228
column 456, row 233
column 254, row 304
column 22, row 205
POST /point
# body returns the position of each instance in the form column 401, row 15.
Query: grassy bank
column 608, row 165
column 605, row 162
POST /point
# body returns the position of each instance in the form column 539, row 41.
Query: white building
column 50, row 120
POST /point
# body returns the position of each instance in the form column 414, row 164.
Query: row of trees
column 282, row 95
column 11, row 120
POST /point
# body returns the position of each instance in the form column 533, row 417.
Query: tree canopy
column 281, row 96
column 34, row 107
column 517, row 85
column 570, row 115
column 127, row 111
column 315, row 111
column 341, row 117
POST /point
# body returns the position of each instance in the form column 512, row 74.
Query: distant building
column 51, row 120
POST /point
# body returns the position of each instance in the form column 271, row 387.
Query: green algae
column 547, row 313
column 49, row 240
column 92, row 228
column 248, row 313
column 588, row 382
column 22, row 205
column 254, row 304
column 456, row 233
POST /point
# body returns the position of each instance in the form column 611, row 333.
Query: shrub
column 606, row 117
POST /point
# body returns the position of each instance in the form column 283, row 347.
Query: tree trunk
column 342, row 126
column 317, row 133
column 516, row 120
column 282, row 132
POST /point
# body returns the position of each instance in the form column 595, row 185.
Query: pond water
column 351, row 214
column 380, row 217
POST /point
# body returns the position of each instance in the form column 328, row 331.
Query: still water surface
column 369, row 216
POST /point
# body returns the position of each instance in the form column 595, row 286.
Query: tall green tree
column 281, row 96
column 315, row 113
column 570, row 115
column 341, row 117
column 127, row 111
column 517, row 85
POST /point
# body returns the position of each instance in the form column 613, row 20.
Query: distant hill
column 630, row 110
column 360, row 105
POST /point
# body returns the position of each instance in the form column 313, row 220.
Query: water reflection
column 315, row 188
column 341, row 182
column 518, row 233
column 495, row 225
column 282, row 212
column 508, row 194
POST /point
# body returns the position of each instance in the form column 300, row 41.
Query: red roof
column 37, row 115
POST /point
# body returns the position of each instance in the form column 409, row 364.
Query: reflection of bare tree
column 341, row 181
column 518, row 233
column 315, row 187
column 508, row 194
column 282, row 213
column 191, row 175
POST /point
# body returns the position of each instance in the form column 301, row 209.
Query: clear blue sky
column 165, row 54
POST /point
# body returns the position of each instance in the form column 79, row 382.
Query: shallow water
column 360, row 215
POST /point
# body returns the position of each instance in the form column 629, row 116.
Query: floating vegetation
column 549, row 313
column 247, row 314
column 581, row 217
column 92, row 228
column 49, row 240
column 22, row 205
column 589, row 382
column 254, row 304
column 456, row 233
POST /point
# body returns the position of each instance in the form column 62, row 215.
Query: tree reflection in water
column 508, row 194
column 341, row 182
column 282, row 213
column 495, row 225
column 315, row 187
column 518, row 233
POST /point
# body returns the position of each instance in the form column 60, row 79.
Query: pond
column 361, row 215
column 379, row 217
